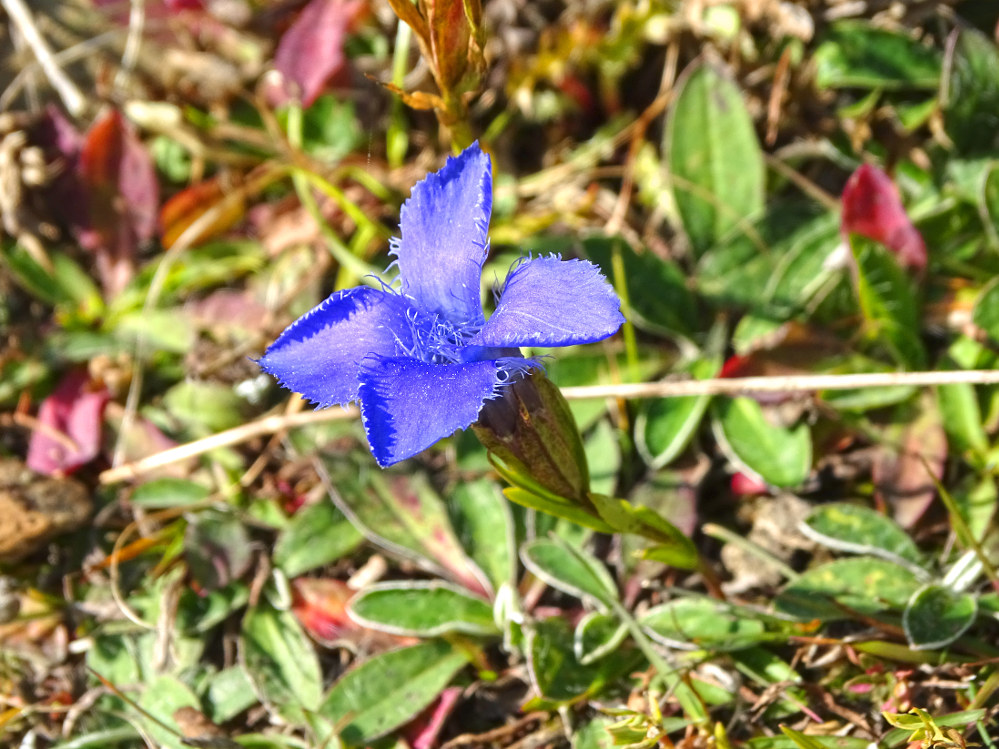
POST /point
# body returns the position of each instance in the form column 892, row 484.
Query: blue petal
column 408, row 405
column 547, row 301
column 318, row 355
column 444, row 241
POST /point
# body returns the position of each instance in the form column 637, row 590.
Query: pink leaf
column 423, row 732
column 872, row 208
column 910, row 461
column 311, row 51
column 70, row 419
column 742, row 484
column 123, row 195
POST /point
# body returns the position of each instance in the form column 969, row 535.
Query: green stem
column 670, row 678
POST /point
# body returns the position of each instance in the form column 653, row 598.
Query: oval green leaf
column 937, row 615
column 779, row 456
column 422, row 609
column 861, row 530
column 715, row 161
column 569, row 569
column 866, row 585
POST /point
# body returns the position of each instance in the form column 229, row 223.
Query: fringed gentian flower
column 422, row 359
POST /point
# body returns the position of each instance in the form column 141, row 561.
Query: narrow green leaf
column 281, row 661
column 484, row 525
column 986, row 312
column 569, row 569
column 888, row 302
column 406, row 515
column 715, row 161
column 564, row 509
column 390, row 689
column 422, row 609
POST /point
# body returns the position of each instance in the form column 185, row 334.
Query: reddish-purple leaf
column 61, row 143
column 311, row 51
column 70, row 426
column 872, row 208
column 123, row 197
column 909, row 462
column 424, row 731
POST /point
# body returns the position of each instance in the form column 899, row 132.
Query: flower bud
column 531, row 429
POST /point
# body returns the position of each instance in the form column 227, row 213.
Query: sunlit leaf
column 715, row 161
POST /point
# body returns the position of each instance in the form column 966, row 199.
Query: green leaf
column 825, row 742
column 715, row 162
column 281, row 662
column 861, row 530
column 422, row 609
column 406, row 516
column 697, row 622
column 169, row 492
column 986, row 312
column 217, row 548
column 560, row 509
column 390, row 689
column 603, row 456
column 855, row 54
column 802, row 740
column 66, row 285
column 962, row 418
column 867, row 585
column 671, row 546
column 778, row 455
column 569, row 569
column 657, row 288
column 162, row 697
column 484, row 525
column 596, row 636
column 937, row 615
column 971, row 101
column 664, row 427
column 204, row 406
column 556, row 673
column 888, row 302
column 230, row 692
column 316, row 535
column 988, row 202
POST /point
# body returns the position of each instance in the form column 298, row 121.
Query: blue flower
column 422, row 359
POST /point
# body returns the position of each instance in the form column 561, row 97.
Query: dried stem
column 666, row 389
column 19, row 14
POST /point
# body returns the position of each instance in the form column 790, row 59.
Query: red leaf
column 320, row 605
column 311, row 51
column 872, row 208
column 123, row 193
column 74, row 411
column 423, row 731
column 742, row 484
